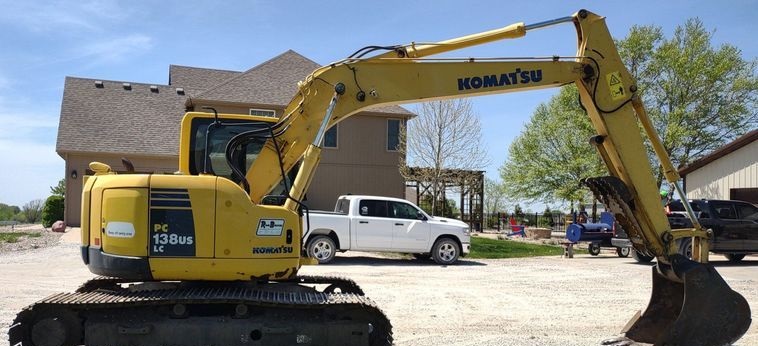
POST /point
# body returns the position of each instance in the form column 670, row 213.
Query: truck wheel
column 445, row 251
column 623, row 251
column 734, row 257
column 594, row 249
column 641, row 258
column 322, row 248
column 685, row 247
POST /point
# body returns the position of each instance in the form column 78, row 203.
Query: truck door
column 372, row 225
column 409, row 233
column 748, row 215
column 732, row 233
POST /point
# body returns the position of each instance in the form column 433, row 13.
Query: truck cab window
column 747, row 212
column 373, row 208
column 404, row 211
column 724, row 210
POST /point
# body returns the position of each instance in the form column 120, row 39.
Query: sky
column 42, row 42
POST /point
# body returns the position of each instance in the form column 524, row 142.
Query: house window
column 263, row 112
column 393, row 134
column 330, row 137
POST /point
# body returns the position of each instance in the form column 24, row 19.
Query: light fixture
column 74, row 174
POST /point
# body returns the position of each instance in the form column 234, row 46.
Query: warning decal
column 615, row 85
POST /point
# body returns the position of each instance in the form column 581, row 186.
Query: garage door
column 745, row 194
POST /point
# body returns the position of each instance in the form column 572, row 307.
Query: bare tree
column 32, row 210
column 494, row 199
column 445, row 135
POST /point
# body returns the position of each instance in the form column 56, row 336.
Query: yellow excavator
column 210, row 255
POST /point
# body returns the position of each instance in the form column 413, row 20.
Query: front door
column 729, row 231
column 410, row 233
column 748, row 215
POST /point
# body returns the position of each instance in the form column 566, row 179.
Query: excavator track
column 102, row 312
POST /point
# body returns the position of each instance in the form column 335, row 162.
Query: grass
column 491, row 248
column 14, row 237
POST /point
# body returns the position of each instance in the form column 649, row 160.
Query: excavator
column 210, row 255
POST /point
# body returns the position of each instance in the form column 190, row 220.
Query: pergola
column 469, row 183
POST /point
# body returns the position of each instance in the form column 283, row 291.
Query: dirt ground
column 534, row 301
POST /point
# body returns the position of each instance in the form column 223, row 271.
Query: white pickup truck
column 384, row 224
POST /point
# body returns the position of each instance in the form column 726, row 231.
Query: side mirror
column 420, row 216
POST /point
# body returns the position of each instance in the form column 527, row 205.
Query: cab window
column 724, row 210
column 370, row 207
column 747, row 212
column 403, row 211
column 342, row 206
column 218, row 138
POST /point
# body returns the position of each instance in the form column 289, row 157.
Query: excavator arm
column 709, row 314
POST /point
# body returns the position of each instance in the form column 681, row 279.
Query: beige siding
column 333, row 180
column 360, row 164
column 80, row 163
column 738, row 169
column 362, row 140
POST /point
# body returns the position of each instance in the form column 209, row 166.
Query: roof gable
column 273, row 82
column 196, row 80
column 112, row 118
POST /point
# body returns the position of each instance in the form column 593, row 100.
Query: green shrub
column 52, row 211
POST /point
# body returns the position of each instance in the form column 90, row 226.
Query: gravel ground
column 533, row 301
column 46, row 238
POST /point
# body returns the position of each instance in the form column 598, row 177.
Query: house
column 109, row 120
column 729, row 172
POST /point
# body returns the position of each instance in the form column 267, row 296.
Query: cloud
column 27, row 148
column 24, row 121
column 114, row 49
column 44, row 16
column 4, row 82
column 30, row 169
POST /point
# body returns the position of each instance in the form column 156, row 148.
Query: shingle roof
column 196, row 80
column 273, row 82
column 111, row 119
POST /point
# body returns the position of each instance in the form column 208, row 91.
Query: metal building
column 730, row 172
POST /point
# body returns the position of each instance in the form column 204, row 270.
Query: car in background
column 734, row 225
column 384, row 224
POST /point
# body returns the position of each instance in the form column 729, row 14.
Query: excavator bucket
column 702, row 310
column 698, row 309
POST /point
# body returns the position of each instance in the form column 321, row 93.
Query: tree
column 547, row 160
column 8, row 211
column 60, row 189
column 494, row 200
column 32, row 211
column 446, row 134
column 697, row 96
column 53, row 210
